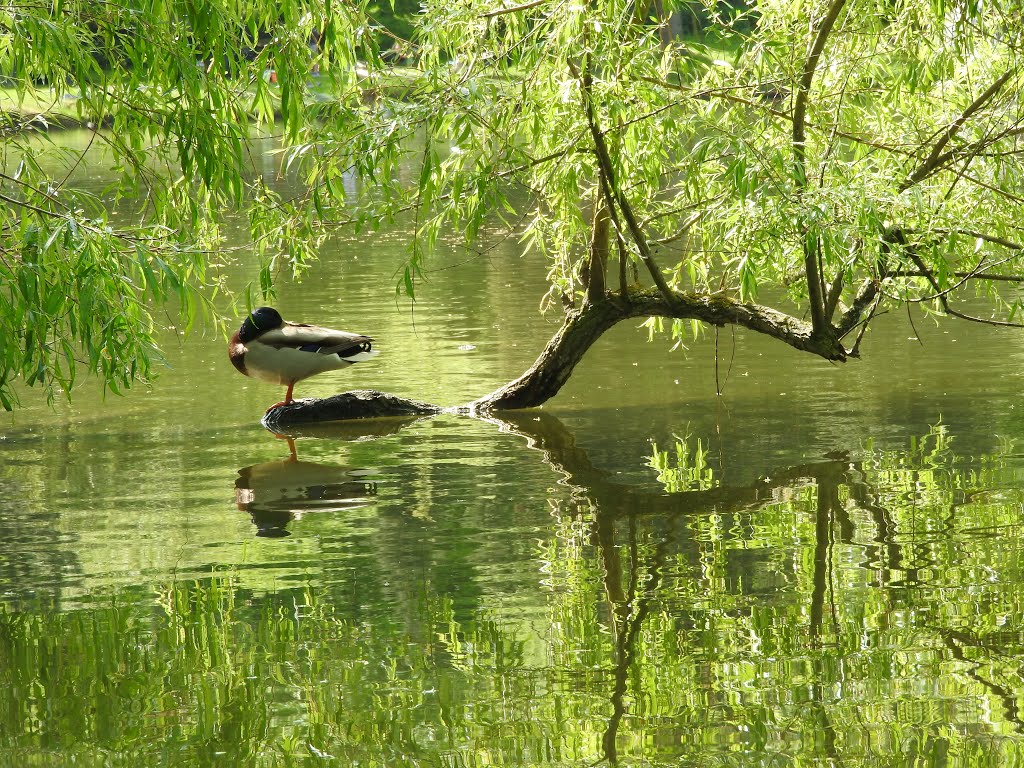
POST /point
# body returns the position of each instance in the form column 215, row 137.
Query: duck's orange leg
column 287, row 398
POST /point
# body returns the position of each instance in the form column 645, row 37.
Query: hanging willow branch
column 812, row 267
column 613, row 195
column 936, row 158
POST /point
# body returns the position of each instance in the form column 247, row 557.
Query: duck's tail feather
column 358, row 353
column 358, row 356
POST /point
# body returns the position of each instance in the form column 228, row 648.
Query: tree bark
column 580, row 329
column 812, row 256
column 584, row 326
column 346, row 406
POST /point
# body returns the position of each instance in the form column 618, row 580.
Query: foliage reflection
column 859, row 610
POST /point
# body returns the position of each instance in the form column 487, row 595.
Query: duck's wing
column 313, row 338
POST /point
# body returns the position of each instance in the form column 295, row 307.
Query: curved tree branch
column 942, row 296
column 584, row 326
column 994, row 239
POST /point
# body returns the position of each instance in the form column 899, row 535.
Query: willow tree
column 846, row 156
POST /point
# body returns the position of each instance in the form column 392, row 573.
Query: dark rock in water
column 360, row 404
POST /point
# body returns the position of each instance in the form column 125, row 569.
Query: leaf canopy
column 845, row 150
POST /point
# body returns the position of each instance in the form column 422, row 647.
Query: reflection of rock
column 276, row 492
column 359, row 404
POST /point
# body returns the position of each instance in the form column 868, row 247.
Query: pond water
column 822, row 565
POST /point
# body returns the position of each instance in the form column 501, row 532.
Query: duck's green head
column 259, row 321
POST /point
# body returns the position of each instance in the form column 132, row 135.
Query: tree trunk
column 596, row 267
column 581, row 328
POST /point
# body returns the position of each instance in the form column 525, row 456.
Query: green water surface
column 823, row 565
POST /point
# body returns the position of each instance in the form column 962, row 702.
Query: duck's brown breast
column 236, row 354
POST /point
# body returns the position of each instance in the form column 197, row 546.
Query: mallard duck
column 270, row 348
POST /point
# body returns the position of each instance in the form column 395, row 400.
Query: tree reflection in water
column 884, row 486
column 696, row 558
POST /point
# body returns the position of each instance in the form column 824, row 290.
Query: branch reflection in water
column 631, row 589
column 838, row 485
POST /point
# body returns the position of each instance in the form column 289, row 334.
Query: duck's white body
column 269, row 348
column 278, row 356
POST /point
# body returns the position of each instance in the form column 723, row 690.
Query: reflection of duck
column 270, row 348
column 276, row 492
